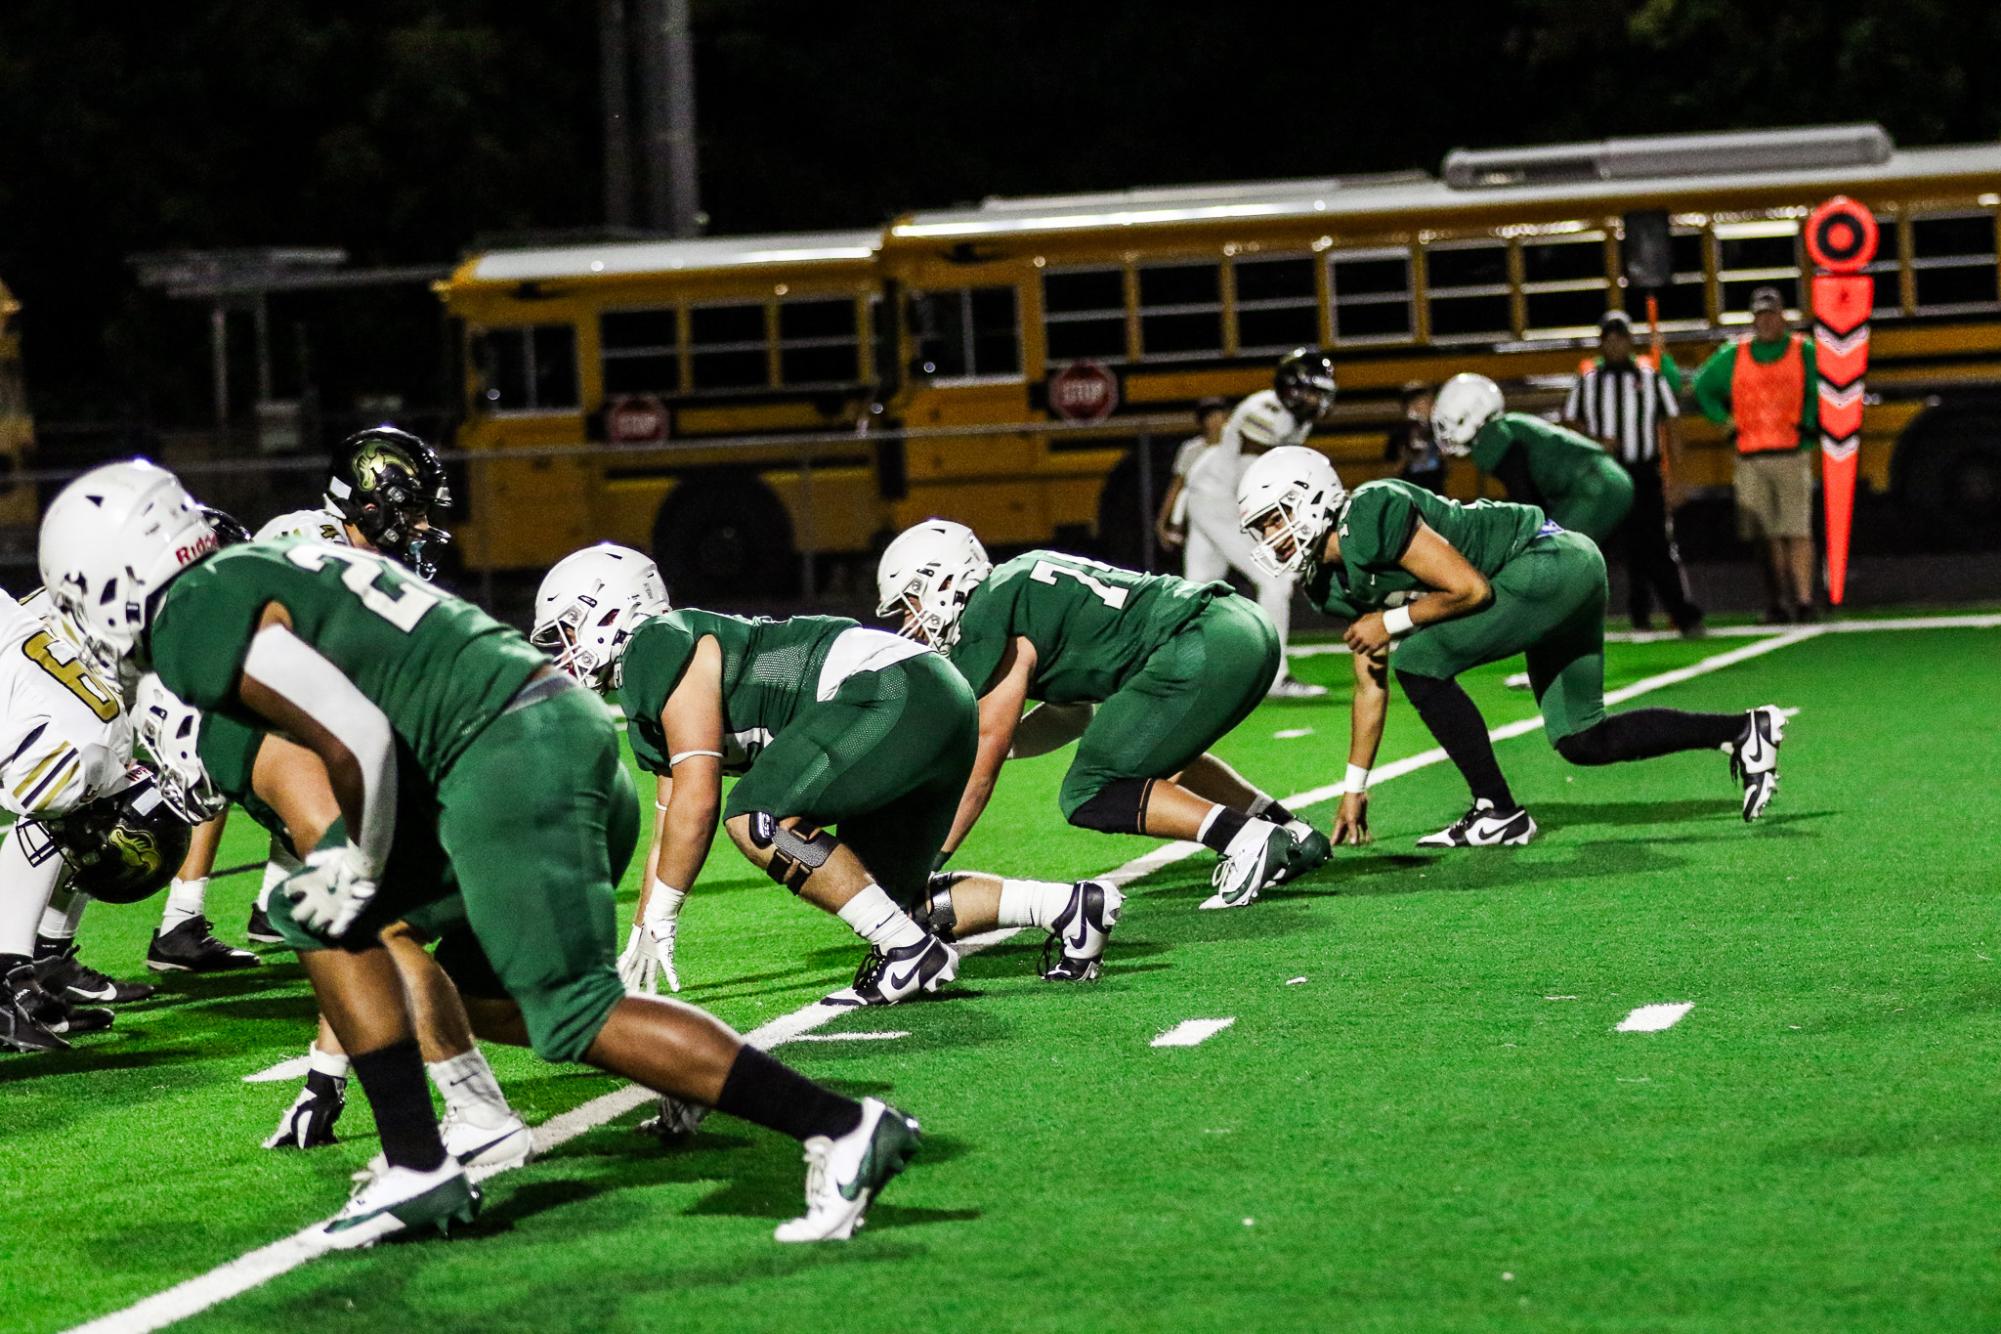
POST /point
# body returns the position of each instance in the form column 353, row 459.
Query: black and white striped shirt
column 1622, row 404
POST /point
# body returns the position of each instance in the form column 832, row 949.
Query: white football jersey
column 64, row 739
column 1260, row 421
column 322, row 525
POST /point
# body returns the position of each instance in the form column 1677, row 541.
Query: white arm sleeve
column 290, row 668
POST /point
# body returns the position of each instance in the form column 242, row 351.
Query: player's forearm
column 688, row 830
column 1365, row 717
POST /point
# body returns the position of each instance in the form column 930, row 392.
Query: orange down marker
column 1841, row 240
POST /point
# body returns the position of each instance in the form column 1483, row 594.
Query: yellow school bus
column 18, row 509
column 962, row 320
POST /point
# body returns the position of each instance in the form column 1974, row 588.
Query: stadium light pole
column 614, row 55
column 668, row 61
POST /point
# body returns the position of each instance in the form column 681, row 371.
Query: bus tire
column 724, row 536
column 1947, row 477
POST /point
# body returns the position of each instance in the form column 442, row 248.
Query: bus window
column 1180, row 311
column 1564, row 287
column 642, row 351
column 1683, row 300
column 1084, row 313
column 966, row 334
column 1887, row 269
column 728, row 347
column 1952, row 257
column 1750, row 255
column 818, row 343
column 527, row 370
column 1277, row 306
column 1372, row 295
column 1467, row 283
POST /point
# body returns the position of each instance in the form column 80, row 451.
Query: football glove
column 309, row 1121
column 649, row 951
column 336, row 886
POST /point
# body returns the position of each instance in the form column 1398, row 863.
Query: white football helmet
column 110, row 542
column 171, row 732
column 589, row 604
column 925, row 577
column 1287, row 501
column 1465, row 403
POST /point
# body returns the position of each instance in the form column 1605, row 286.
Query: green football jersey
column 1560, row 461
column 228, row 751
column 1093, row 625
column 771, row 669
column 1382, row 517
column 439, row 668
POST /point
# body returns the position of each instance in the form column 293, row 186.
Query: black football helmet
column 386, row 482
column 228, row 532
column 123, row 847
column 1304, row 382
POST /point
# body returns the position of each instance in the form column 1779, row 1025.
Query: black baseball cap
column 1615, row 321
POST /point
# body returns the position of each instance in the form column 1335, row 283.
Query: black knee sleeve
column 1587, row 747
column 795, row 853
column 1119, row 807
column 936, row 914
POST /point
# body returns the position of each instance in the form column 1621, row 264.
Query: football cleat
column 1754, row 757
column 1080, row 932
column 26, row 1011
column 1484, row 827
column 1291, row 687
column 399, row 1198
column 886, row 978
column 67, row 978
column 259, row 928
column 1309, row 852
column 1248, row 864
column 191, row 947
column 494, row 1137
column 78, row 1019
column 309, row 1122
column 843, row 1175
column 675, row 1122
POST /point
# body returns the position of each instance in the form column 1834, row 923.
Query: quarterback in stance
column 1449, row 587
column 853, row 745
column 1569, row 476
column 1171, row 665
column 389, row 682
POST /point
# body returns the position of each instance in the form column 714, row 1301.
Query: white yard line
column 888, row 1035
column 1654, row 1018
column 260, row 1266
column 1192, row 1032
column 1964, row 621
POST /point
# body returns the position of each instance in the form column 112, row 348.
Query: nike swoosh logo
column 1083, row 921
column 103, row 993
column 467, row 1155
column 899, row 983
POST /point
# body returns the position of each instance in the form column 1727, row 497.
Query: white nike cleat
column 1484, row 827
column 493, row 1137
column 399, row 1198
column 1081, row 930
column 1258, row 853
column 1291, row 687
column 1309, row 852
column 1754, row 757
column 843, row 1175
column 886, row 978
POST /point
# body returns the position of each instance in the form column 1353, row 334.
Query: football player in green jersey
column 206, row 762
column 853, row 745
column 1570, row 476
column 1171, row 665
column 391, row 682
column 1449, row 587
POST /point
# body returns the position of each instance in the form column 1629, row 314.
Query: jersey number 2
column 1045, row 572
column 403, row 606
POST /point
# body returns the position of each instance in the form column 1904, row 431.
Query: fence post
column 809, row 538
column 1147, row 507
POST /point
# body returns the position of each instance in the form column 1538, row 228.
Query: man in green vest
column 1765, row 392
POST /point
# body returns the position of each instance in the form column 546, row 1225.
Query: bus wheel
column 1949, row 480
column 724, row 537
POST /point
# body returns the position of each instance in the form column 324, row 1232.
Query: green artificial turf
column 1421, row 1119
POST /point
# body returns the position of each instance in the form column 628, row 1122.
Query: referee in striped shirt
column 1630, row 408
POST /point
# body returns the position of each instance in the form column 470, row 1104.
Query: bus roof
column 1421, row 196
column 610, row 260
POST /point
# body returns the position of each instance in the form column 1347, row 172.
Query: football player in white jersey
column 86, row 819
column 1301, row 395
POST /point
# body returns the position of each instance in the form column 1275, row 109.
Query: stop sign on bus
column 1084, row 392
column 640, row 419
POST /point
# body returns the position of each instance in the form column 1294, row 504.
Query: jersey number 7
column 1045, row 572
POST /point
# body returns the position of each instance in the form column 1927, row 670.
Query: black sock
column 1641, row 734
column 46, row 946
column 1455, row 721
column 393, row 1079
column 765, row 1092
column 1223, row 827
column 1268, row 808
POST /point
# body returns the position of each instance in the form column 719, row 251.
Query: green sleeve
column 228, row 752
column 654, row 663
column 1377, row 529
column 1810, row 409
column 649, row 755
column 983, row 640
column 1712, row 384
column 1670, row 370
column 202, row 634
column 1496, row 438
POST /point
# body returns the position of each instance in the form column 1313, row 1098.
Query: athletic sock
column 184, row 901
column 393, row 1079
column 1219, row 826
column 767, row 1093
column 275, row 872
column 60, row 918
column 333, row 1064
column 1268, row 808
column 1641, row 734
column 1033, row 902
column 467, row 1083
column 874, row 917
column 1455, row 723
